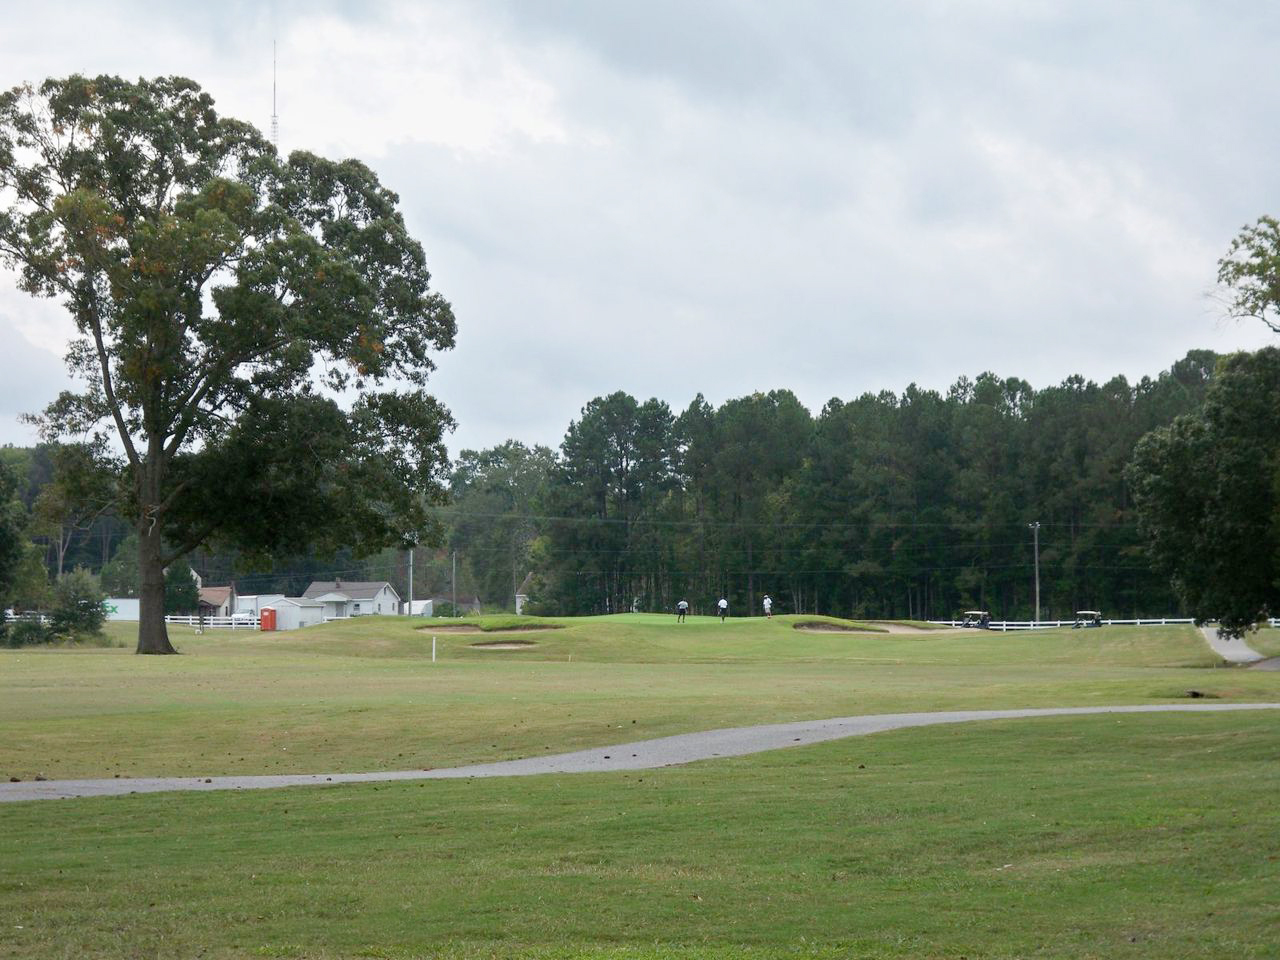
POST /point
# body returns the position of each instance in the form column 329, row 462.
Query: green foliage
column 1250, row 271
column 180, row 592
column 25, row 633
column 31, row 588
column 13, row 542
column 497, row 494
column 1207, row 489
column 120, row 575
column 82, row 489
column 77, row 605
column 913, row 505
column 223, row 296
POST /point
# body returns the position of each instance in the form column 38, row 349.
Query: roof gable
column 215, row 596
column 353, row 589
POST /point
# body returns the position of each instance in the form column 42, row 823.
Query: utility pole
column 1035, row 530
column 455, row 583
column 411, row 581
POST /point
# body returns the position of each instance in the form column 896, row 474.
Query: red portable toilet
column 268, row 618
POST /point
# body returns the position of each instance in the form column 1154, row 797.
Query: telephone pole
column 455, row 583
column 1035, row 530
column 411, row 581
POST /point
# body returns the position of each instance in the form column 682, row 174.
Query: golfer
column 682, row 608
column 768, row 607
column 723, row 607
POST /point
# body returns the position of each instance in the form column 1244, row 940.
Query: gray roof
column 355, row 589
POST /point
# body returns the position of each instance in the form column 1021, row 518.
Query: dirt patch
column 504, row 644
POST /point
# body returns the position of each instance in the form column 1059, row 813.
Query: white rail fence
column 1007, row 625
column 233, row 623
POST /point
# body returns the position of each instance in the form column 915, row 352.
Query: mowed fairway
column 1136, row 835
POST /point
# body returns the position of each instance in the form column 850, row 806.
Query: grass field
column 1134, row 836
column 364, row 695
column 1266, row 641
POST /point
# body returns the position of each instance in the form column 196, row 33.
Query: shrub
column 77, row 605
column 24, row 633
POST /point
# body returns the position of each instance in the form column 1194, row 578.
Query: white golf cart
column 977, row 618
column 1087, row 618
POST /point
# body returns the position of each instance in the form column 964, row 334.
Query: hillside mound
column 481, row 628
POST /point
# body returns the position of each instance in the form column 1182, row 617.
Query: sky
column 673, row 198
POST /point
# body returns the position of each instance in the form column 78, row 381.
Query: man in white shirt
column 768, row 607
column 682, row 608
column 723, row 607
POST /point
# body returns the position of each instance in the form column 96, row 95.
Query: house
column 217, row 601
column 354, row 598
column 337, row 606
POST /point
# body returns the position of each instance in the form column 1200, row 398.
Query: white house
column 336, row 605
column 363, row 597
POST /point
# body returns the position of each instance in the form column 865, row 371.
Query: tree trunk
column 62, row 544
column 153, row 635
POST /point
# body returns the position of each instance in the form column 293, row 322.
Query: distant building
column 293, row 613
column 252, row 603
column 353, row 598
column 522, row 593
column 217, row 601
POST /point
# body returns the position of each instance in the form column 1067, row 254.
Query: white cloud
column 731, row 196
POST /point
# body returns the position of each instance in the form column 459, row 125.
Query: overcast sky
column 722, row 197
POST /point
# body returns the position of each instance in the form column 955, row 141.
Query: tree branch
column 108, row 387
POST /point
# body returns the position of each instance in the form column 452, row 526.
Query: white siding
column 123, row 608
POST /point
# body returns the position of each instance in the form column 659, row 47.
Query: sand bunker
column 504, row 644
column 468, row 628
column 875, row 626
column 818, row 626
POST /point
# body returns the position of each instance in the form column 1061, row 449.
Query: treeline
column 913, row 505
column 63, row 528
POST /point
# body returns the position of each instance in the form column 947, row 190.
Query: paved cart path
column 1233, row 651
column 641, row 755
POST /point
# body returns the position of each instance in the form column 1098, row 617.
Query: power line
column 778, row 524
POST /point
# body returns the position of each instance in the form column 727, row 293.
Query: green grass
column 1265, row 641
column 364, row 695
column 1128, row 836
column 1117, row 837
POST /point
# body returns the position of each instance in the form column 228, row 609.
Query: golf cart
column 977, row 618
column 1087, row 618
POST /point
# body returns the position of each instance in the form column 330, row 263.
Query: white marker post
column 433, row 649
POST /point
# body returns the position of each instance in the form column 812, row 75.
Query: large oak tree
column 255, row 333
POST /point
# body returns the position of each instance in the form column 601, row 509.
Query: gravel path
column 642, row 755
column 1232, row 651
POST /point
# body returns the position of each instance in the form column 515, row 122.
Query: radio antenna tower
column 275, row 120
